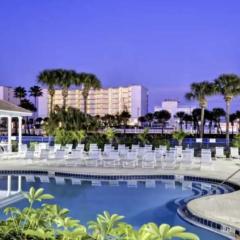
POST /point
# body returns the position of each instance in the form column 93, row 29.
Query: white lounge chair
column 206, row 157
column 44, row 154
column 60, row 155
column 169, row 161
column 93, row 159
column 187, row 158
column 93, row 147
column 234, row 152
column 149, row 160
column 43, row 145
column 80, row 147
column 220, row 153
column 76, row 154
column 131, row 161
column 135, row 147
column 112, row 159
column 57, row 147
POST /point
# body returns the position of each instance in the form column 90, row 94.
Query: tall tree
column 89, row 81
column 149, row 118
column 35, row 92
column 228, row 85
column 210, row 118
column 218, row 113
column 65, row 79
column 188, row 119
column 50, row 79
column 141, row 120
column 20, row 93
column 200, row 91
column 180, row 115
column 125, row 116
column 162, row 117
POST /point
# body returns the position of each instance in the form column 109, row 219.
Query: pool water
column 139, row 205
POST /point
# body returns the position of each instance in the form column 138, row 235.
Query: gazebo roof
column 7, row 108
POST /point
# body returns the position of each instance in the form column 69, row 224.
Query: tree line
column 225, row 85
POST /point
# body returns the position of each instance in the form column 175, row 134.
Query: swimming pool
column 139, row 201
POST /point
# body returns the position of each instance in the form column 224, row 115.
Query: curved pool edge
column 211, row 211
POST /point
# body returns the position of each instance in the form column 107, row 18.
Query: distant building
column 7, row 94
column 42, row 104
column 173, row 106
column 133, row 99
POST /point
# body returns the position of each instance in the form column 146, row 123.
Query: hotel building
column 7, row 94
column 133, row 99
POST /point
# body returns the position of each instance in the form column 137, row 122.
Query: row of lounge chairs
column 145, row 157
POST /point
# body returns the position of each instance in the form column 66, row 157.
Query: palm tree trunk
column 51, row 104
column 202, row 122
column 85, row 105
column 64, row 102
column 227, row 123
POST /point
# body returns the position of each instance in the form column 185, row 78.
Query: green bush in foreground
column 51, row 222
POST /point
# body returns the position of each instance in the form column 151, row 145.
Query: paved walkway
column 222, row 208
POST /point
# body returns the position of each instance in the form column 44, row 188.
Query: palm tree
column 180, row 115
column 20, row 92
column 196, row 116
column 218, row 113
column 141, row 120
column 65, row 79
column 210, row 117
column 228, row 85
column 125, row 116
column 49, row 78
column 188, row 119
column 149, row 118
column 199, row 92
column 89, row 81
column 35, row 92
column 162, row 117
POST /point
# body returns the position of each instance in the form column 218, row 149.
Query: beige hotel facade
column 133, row 99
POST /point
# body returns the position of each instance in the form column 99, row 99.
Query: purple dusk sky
column 162, row 44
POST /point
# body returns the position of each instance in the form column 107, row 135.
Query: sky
column 164, row 45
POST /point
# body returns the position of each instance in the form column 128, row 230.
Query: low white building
column 173, row 106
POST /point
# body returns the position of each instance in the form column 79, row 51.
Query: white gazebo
column 9, row 110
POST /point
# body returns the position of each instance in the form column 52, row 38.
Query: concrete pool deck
column 224, row 209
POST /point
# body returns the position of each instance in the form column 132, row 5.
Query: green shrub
column 236, row 141
column 110, row 134
column 179, row 136
column 14, row 146
column 32, row 145
column 51, row 222
column 143, row 137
